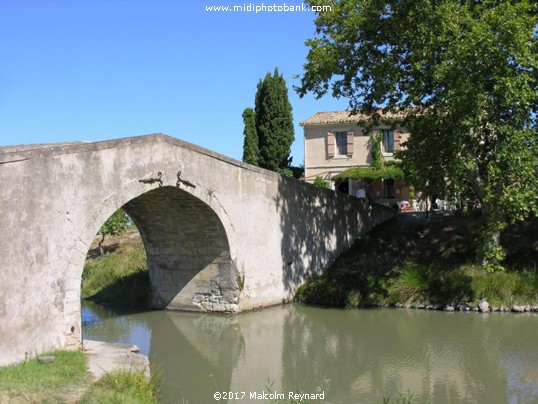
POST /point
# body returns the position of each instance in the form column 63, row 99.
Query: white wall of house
column 317, row 160
column 320, row 160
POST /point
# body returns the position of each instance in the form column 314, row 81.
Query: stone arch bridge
column 220, row 235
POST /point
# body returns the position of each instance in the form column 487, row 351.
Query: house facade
column 338, row 140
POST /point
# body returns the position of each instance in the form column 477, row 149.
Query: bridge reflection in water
column 354, row 356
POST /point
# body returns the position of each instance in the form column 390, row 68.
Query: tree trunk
column 101, row 250
column 490, row 252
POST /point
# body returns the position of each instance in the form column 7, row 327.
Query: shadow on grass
column 432, row 262
column 131, row 290
column 95, row 253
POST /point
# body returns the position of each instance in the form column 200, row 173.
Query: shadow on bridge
column 187, row 250
column 317, row 225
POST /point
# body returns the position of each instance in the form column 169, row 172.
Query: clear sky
column 102, row 69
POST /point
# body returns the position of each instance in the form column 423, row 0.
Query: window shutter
column 396, row 140
column 350, row 143
column 330, row 144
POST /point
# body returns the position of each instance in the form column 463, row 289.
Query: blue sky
column 103, row 69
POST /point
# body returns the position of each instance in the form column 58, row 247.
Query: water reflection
column 354, row 356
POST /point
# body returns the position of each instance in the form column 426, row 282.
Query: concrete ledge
column 105, row 357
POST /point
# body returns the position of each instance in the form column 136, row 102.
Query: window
column 388, row 140
column 341, row 143
column 389, row 189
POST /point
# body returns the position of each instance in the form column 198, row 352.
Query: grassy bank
column 427, row 263
column 67, row 379
column 122, row 387
column 63, row 380
column 119, row 276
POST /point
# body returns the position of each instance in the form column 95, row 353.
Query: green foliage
column 122, row 387
column 31, row 381
column 250, row 142
column 344, row 287
column 434, row 284
column 406, row 398
column 320, row 290
column 401, row 262
column 115, row 224
column 320, row 182
column 377, row 158
column 371, row 173
column 66, row 377
column 120, row 277
column 462, row 74
column 274, row 122
column 285, row 171
column 505, row 288
column 298, row 171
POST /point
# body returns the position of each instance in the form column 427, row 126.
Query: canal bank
column 424, row 262
column 105, row 372
column 414, row 262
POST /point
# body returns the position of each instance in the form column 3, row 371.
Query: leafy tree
column 286, row 172
column 274, row 122
column 462, row 74
column 298, row 171
column 115, row 224
column 320, row 182
column 250, row 143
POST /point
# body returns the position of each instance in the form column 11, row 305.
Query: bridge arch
column 274, row 231
column 190, row 249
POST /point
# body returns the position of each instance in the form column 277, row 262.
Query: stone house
column 336, row 141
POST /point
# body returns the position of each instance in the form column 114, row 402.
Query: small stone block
column 46, row 359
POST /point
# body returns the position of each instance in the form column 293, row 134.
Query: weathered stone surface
column 518, row 309
column 484, row 306
column 224, row 236
column 104, row 357
column 46, row 359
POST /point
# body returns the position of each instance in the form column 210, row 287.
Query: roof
column 330, row 117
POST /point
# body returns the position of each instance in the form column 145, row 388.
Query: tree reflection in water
column 353, row 355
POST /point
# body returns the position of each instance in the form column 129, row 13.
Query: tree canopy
column 463, row 74
column 371, row 173
column 274, row 122
column 250, row 141
column 115, row 224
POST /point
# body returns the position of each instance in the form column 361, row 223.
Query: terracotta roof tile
column 329, row 117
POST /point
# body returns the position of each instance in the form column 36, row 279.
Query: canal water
column 349, row 356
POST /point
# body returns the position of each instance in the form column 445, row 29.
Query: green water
column 352, row 356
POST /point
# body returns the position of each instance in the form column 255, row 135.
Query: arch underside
column 188, row 253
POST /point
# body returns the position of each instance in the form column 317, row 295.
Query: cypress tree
column 250, row 142
column 274, row 123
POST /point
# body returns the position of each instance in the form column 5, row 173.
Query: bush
column 319, row 182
